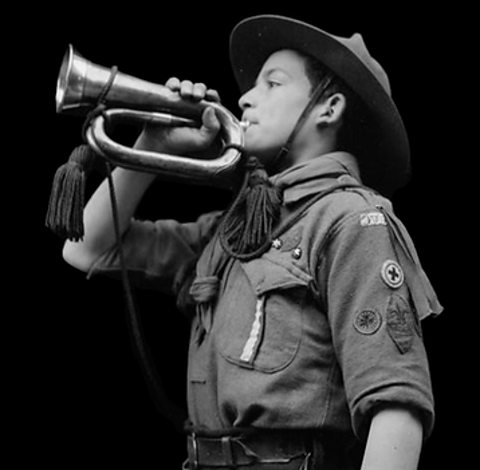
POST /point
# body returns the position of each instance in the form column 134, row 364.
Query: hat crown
column 357, row 46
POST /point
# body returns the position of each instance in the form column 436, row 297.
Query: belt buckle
column 193, row 459
column 227, row 452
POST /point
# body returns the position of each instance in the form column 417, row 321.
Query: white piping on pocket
column 253, row 341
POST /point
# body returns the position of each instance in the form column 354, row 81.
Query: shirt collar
column 313, row 176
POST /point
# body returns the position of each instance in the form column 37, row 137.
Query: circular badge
column 392, row 274
column 367, row 322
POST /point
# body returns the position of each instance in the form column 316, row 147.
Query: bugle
column 81, row 83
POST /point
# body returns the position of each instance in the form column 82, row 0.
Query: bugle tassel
column 67, row 198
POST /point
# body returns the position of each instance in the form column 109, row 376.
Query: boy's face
column 275, row 103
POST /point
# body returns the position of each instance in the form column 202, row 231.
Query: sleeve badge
column 367, row 322
column 400, row 323
column 392, row 274
column 369, row 219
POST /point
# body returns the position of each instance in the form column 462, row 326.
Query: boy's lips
column 246, row 123
column 250, row 119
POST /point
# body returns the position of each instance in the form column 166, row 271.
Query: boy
column 307, row 294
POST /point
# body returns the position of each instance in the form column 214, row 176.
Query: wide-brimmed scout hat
column 386, row 160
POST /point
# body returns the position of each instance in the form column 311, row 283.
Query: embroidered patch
column 392, row 274
column 372, row 218
column 400, row 323
column 367, row 322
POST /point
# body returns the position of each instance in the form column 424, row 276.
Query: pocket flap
column 274, row 272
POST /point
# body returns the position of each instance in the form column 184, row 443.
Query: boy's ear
column 330, row 111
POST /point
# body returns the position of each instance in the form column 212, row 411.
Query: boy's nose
column 246, row 100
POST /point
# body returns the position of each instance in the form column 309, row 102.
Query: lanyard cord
column 163, row 404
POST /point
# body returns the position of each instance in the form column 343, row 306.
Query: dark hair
column 355, row 127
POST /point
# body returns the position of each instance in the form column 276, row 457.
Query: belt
column 275, row 449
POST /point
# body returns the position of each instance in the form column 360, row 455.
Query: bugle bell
column 81, row 84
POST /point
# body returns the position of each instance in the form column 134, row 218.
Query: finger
column 186, row 89
column 210, row 122
column 212, row 95
column 173, row 83
column 199, row 90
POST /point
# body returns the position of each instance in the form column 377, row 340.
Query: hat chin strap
column 314, row 98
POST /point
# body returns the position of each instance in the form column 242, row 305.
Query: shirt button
column 277, row 243
column 297, row 253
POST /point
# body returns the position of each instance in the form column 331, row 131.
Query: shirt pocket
column 265, row 335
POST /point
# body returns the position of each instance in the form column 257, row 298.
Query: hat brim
column 254, row 39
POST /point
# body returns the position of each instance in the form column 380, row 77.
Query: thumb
column 210, row 123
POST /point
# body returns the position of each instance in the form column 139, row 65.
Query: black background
column 81, row 396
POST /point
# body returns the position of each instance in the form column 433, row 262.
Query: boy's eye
column 273, row 83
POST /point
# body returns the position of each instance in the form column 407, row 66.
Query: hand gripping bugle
column 82, row 83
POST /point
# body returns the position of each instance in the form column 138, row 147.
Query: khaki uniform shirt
column 320, row 331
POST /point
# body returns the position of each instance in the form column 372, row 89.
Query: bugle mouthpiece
column 244, row 125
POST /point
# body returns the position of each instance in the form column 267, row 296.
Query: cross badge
column 392, row 274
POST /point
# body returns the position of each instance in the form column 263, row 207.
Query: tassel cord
column 245, row 230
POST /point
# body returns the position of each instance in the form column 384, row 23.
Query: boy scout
column 306, row 347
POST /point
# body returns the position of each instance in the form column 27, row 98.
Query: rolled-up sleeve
column 376, row 330
column 158, row 255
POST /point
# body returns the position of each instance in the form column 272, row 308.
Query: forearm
column 394, row 441
column 99, row 233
